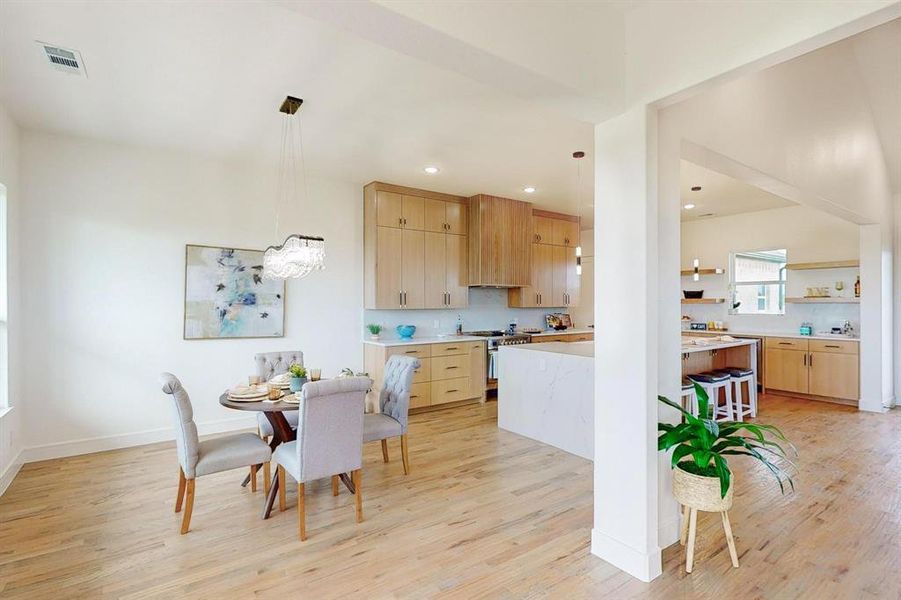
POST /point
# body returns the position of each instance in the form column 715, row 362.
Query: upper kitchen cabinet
column 400, row 210
column 565, row 232
column 443, row 216
column 554, row 281
column 500, row 232
column 410, row 260
column 542, row 229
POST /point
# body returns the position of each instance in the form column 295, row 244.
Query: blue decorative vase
column 296, row 383
column 406, row 331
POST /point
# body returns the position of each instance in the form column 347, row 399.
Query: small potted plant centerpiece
column 374, row 330
column 298, row 377
column 702, row 479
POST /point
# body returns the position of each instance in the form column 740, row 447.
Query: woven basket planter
column 701, row 493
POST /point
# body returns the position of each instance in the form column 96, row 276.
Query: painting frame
column 185, row 298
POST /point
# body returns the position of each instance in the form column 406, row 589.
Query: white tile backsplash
column 487, row 310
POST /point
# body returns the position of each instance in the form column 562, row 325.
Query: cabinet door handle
column 451, row 391
column 451, row 367
column 400, row 221
column 566, row 241
column 414, row 396
column 400, row 298
column 411, row 351
column 538, row 236
column 810, row 360
column 451, row 348
column 831, row 346
column 786, row 344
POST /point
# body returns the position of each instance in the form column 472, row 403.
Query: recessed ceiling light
column 696, row 188
column 688, row 206
column 431, row 170
column 529, row 190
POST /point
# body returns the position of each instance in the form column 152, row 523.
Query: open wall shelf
column 703, row 300
column 690, row 272
column 834, row 264
column 823, row 300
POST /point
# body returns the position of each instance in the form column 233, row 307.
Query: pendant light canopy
column 299, row 255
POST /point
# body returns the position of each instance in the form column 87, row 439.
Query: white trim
column 626, row 558
column 5, row 410
column 127, row 440
column 12, row 469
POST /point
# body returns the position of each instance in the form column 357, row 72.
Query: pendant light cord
column 280, row 181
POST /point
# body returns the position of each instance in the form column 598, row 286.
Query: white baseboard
column 128, row 440
column 640, row 565
column 12, row 469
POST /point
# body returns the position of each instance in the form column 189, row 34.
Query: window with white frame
column 757, row 282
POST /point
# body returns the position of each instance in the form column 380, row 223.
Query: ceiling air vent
column 64, row 59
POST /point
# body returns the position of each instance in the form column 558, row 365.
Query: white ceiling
column 208, row 78
column 721, row 195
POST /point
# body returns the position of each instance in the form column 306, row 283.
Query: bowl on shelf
column 405, row 331
column 693, row 294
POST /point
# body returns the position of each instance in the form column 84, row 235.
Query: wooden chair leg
column 683, row 528
column 692, row 531
column 404, row 455
column 729, row 539
column 282, row 480
column 181, row 490
column 189, row 507
column 267, row 477
column 301, row 513
column 334, row 485
column 357, row 477
column 385, row 450
column 253, row 478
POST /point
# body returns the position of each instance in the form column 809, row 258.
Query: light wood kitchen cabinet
column 448, row 372
column 542, row 229
column 573, row 279
column 400, row 211
column 565, row 232
column 558, row 275
column 786, row 370
column 499, row 237
column 445, row 217
column 413, row 269
column 405, row 266
column 563, row 337
column 541, row 290
column 446, row 271
column 822, row 368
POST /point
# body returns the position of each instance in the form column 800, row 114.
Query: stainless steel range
column 495, row 339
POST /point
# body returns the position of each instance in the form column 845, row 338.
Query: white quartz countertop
column 689, row 348
column 425, row 340
column 785, row 334
column 585, row 349
column 562, row 332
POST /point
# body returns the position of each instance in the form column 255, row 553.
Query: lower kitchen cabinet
column 448, row 371
column 822, row 368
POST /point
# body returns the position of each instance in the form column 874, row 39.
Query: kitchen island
column 546, row 393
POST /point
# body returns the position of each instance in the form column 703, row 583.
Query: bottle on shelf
column 857, row 287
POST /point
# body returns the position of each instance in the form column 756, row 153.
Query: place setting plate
column 248, row 394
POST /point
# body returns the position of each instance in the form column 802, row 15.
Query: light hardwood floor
column 484, row 513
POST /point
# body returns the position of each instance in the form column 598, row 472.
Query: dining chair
column 196, row 458
column 329, row 441
column 394, row 407
column 270, row 364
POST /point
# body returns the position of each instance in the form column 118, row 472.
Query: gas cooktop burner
column 485, row 333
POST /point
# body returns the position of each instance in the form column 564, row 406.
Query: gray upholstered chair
column 394, row 406
column 196, row 458
column 329, row 441
column 270, row 364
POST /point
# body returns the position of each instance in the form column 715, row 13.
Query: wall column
column 876, row 340
column 626, row 313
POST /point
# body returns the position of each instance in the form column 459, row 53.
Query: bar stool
column 738, row 376
column 713, row 382
column 689, row 397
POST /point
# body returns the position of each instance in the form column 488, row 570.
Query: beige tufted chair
column 394, row 406
column 270, row 364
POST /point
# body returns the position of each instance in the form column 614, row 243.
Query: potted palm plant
column 298, row 377
column 701, row 446
column 374, row 330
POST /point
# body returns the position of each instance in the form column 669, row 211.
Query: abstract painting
column 227, row 297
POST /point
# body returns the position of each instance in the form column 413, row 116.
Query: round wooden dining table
column 281, row 433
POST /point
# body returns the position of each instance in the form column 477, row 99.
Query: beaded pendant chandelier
column 299, row 255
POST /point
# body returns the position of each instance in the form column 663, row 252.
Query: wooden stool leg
column 267, row 477
column 683, row 527
column 358, row 493
column 181, row 489
column 729, row 539
column 253, row 478
column 281, row 488
column 334, row 485
column 189, row 507
column 404, row 455
column 385, row 450
column 301, row 513
column 692, row 531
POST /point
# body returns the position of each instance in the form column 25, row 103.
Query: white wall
column 808, row 235
column 11, row 422
column 104, row 230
